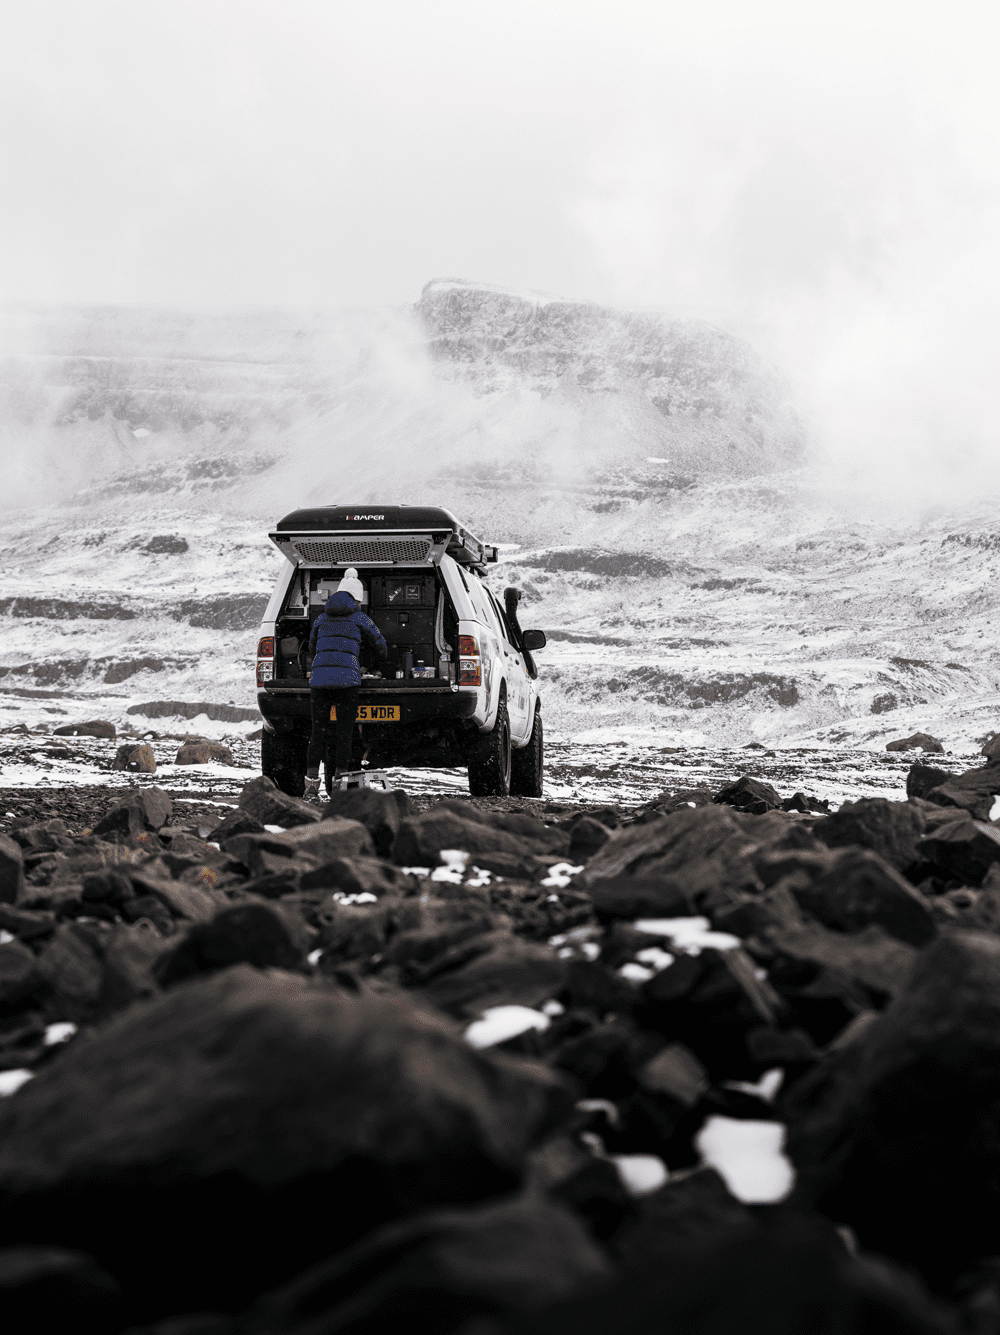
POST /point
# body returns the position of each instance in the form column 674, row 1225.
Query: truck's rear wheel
column 489, row 766
column 283, row 759
column 527, row 764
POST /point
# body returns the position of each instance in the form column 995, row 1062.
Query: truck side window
column 502, row 618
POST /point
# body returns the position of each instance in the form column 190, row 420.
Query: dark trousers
column 328, row 736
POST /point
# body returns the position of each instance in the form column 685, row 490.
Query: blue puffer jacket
column 335, row 640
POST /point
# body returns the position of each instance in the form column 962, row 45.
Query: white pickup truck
column 460, row 687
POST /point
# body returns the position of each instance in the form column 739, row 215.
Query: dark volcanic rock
column 918, row 741
column 922, row 778
column 233, row 823
column 379, row 812
column 313, row 844
column 587, row 835
column 890, row 829
column 861, row 889
column 975, row 791
column 49, row 1289
column 11, row 870
column 138, row 810
column 906, row 1148
column 419, row 842
column 697, row 851
column 641, row 897
column 18, row 975
column 750, row 795
column 356, row 876
column 504, row 971
column 721, row 1278
column 440, row 1270
column 245, row 1098
column 826, row 978
column 963, row 848
column 95, row 728
column 256, row 934
column 262, row 800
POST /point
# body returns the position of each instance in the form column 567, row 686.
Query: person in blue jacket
column 335, row 642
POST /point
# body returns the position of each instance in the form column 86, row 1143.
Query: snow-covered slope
column 699, row 581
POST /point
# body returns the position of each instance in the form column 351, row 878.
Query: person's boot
column 312, row 787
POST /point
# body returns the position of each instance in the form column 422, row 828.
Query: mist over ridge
column 705, row 570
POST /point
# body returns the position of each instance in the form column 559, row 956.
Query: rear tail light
column 470, row 666
column 265, row 659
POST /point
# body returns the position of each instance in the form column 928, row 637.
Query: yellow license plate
column 372, row 714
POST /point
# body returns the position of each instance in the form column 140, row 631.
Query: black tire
column 283, row 759
column 527, row 764
column 489, row 765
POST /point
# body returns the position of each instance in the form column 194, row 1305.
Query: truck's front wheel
column 527, row 764
column 489, row 765
column 283, row 759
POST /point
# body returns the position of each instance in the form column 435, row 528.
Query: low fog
column 824, row 183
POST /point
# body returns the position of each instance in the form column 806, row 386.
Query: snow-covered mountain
column 697, row 575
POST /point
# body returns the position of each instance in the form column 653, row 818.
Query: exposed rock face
column 687, row 371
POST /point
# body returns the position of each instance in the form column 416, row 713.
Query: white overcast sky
column 712, row 158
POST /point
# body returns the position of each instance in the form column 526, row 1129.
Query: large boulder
column 921, row 741
column 751, row 795
column 94, row 728
column 203, row 1128
column 905, row 1146
column 890, row 829
column 922, row 778
column 861, row 889
column 963, row 848
column 203, row 752
column 137, row 810
column 136, row 757
column 975, row 791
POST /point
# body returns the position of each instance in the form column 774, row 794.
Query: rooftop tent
column 376, row 535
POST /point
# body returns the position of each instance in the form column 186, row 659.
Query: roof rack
column 377, row 535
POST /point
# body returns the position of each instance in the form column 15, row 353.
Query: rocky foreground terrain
column 721, row 1062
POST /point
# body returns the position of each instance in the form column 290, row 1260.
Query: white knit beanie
column 352, row 585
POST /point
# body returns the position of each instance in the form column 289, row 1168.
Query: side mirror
column 533, row 639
